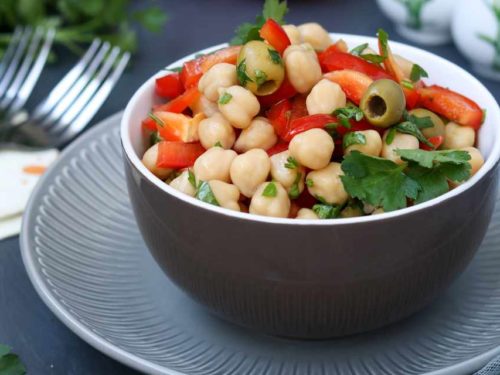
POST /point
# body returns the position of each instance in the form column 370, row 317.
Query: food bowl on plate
column 315, row 278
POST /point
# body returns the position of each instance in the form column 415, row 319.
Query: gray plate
column 86, row 258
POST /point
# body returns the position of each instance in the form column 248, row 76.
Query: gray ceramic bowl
column 316, row 279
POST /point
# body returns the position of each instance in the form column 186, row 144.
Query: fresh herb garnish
column 204, row 193
column 421, row 122
column 218, row 144
column 294, row 191
column 10, row 364
column 309, row 182
column 246, row 32
column 291, row 163
column 357, row 51
column 428, row 159
column 225, row 98
column 156, row 119
column 270, row 190
column 155, row 138
column 260, row 77
column 407, row 84
column 353, row 138
column 241, row 73
column 417, row 72
column 347, row 113
column 383, row 39
column 411, row 128
column 192, row 178
column 390, row 136
column 275, row 56
column 327, row 211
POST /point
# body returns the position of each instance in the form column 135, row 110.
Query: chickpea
column 458, row 136
column 293, row 34
column 216, row 129
column 342, row 46
column 182, row 184
column 242, row 106
column 313, row 148
column 314, row 34
column 405, row 65
column 476, row 159
column 287, row 177
column 260, row 134
column 205, row 106
column 327, row 185
column 400, row 141
column 149, row 161
column 351, row 211
column 249, row 170
column 325, row 97
column 275, row 206
column 307, row 214
column 214, row 164
column 373, row 145
column 227, row 195
column 302, row 67
column 378, row 211
column 221, row 75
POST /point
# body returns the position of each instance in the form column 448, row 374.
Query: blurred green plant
column 414, row 9
column 78, row 22
column 494, row 41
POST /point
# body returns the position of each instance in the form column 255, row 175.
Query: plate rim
column 96, row 341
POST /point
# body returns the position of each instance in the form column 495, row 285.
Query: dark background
column 45, row 345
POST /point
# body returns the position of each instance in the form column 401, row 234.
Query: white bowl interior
column 441, row 72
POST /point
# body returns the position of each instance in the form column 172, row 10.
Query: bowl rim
column 129, row 152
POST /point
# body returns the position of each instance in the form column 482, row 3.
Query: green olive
column 383, row 103
column 437, row 130
column 260, row 68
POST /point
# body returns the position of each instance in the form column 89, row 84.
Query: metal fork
column 73, row 102
column 22, row 65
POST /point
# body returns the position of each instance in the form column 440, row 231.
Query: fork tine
column 14, row 63
column 10, row 49
column 34, row 73
column 69, row 98
column 65, row 83
column 88, row 112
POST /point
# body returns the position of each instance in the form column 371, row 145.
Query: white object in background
column 421, row 21
column 20, row 170
column 476, row 33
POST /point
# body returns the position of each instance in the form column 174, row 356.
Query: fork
column 22, row 65
column 73, row 102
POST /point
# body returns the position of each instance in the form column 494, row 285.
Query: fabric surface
column 492, row 368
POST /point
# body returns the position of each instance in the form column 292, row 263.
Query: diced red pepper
column 331, row 60
column 177, row 127
column 274, row 34
column 277, row 148
column 279, row 116
column 169, row 86
column 452, row 105
column 178, row 154
column 412, row 97
column 285, row 91
column 181, row 103
column 437, row 141
column 149, row 124
column 303, row 124
column 353, row 83
column 194, row 69
column 299, row 107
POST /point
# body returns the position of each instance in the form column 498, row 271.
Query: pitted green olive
column 437, row 130
column 260, row 68
column 383, row 103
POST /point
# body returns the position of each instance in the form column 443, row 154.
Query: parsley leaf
column 270, row 190
column 156, row 119
column 411, row 128
column 390, row 136
column 357, row 51
column 407, row 84
column 225, row 98
column 379, row 182
column 327, row 211
column 417, row 72
column 294, row 191
column 346, row 113
column 260, row 77
column 191, row 178
column 309, row 182
column 376, row 59
column 10, row 364
column 353, row 138
column 155, row 138
column 218, row 144
column 427, row 159
column 204, row 193
column 275, row 9
column 383, row 39
column 275, row 56
column 241, row 73
column 291, row 163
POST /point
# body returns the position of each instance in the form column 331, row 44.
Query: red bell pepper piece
column 193, row 70
column 277, row 148
column 285, row 91
column 331, row 60
column 274, row 34
column 353, row 83
column 181, row 103
column 177, row 127
column 302, row 124
column 299, row 107
column 149, row 124
column 452, row 105
column 412, row 97
column 437, row 141
column 178, row 154
column 169, row 86
column 279, row 116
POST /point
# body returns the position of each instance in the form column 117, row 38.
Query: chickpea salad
column 286, row 122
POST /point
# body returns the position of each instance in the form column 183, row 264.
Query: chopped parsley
column 218, row 144
column 275, row 56
column 383, row 39
column 270, row 190
column 291, row 163
column 417, row 72
column 225, row 98
column 353, row 138
column 156, row 119
column 309, row 182
column 155, row 138
column 204, row 193
column 407, row 84
column 411, row 128
column 260, row 77
column 348, row 113
column 192, row 178
column 294, row 191
column 10, row 364
column 327, row 211
column 357, row 51
column 390, row 136
column 241, row 73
